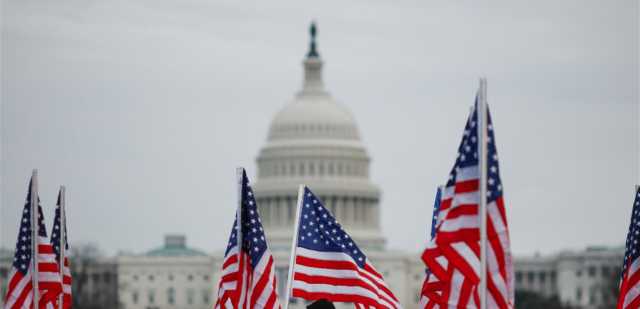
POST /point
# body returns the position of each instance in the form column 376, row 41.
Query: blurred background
column 144, row 109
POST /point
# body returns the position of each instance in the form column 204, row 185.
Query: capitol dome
column 314, row 140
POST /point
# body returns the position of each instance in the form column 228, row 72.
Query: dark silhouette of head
column 321, row 304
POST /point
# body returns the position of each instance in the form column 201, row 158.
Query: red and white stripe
column 20, row 288
column 336, row 277
column 66, row 285
column 257, row 286
column 629, row 297
column 457, row 242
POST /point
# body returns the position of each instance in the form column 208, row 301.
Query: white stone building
column 578, row 278
column 314, row 140
column 170, row 277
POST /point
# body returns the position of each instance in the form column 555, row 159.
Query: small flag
column 20, row 292
column 248, row 273
column 629, row 297
column 329, row 265
column 430, row 283
column 61, row 247
column 453, row 257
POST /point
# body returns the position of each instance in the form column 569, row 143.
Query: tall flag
column 61, row 247
column 453, row 256
column 629, row 296
column 248, row 273
column 328, row 264
column 20, row 291
column 430, row 283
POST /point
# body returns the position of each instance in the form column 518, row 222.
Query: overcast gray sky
column 143, row 108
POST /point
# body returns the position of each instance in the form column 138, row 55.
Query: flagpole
column 239, row 172
column 482, row 152
column 62, row 245
column 34, row 237
column 294, row 246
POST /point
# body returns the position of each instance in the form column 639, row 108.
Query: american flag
column 60, row 224
column 453, row 256
column 630, row 282
column 430, row 283
column 329, row 264
column 248, row 275
column 19, row 288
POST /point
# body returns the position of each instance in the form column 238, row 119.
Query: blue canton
column 55, row 232
column 22, row 256
column 254, row 241
column 436, row 211
column 468, row 155
column 632, row 249
column 319, row 230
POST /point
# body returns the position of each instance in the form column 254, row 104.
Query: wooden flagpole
column 294, row 245
column 482, row 162
column 34, row 237
column 63, row 244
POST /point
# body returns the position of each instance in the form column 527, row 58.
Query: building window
column 518, row 277
column 151, row 278
column 135, row 277
column 134, row 297
column 190, row 277
column 205, row 297
column 171, row 296
column 578, row 294
column 206, row 278
column 301, row 171
column 106, row 277
column 530, row 277
column 190, row 295
column 95, row 278
column 542, row 276
column 579, row 273
column 605, row 271
column 592, row 271
column 170, row 277
column 152, row 297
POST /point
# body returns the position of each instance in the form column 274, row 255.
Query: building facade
column 314, row 140
column 585, row 279
column 173, row 276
